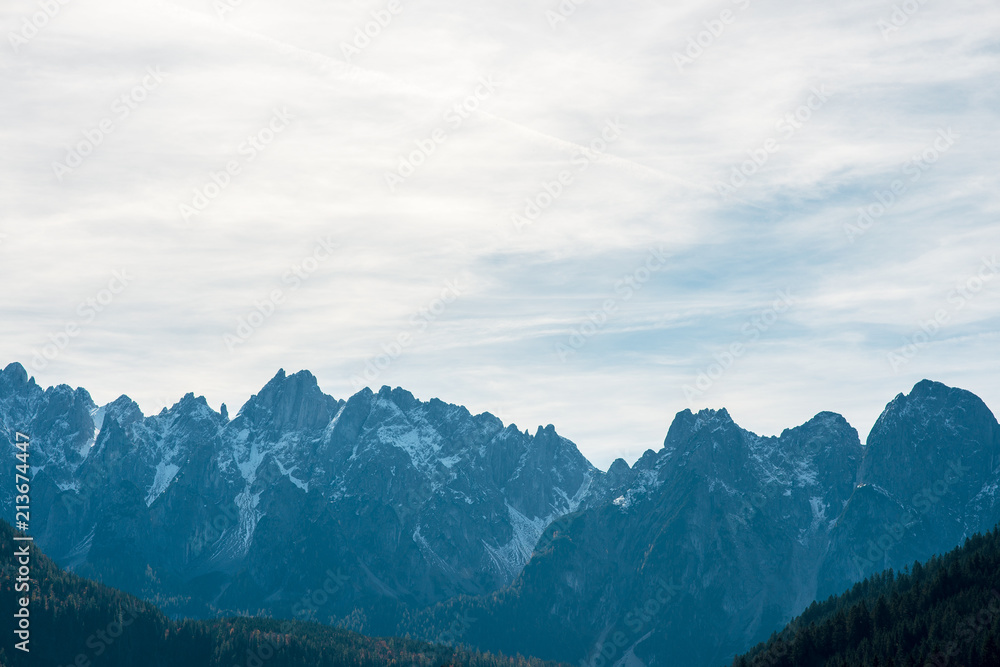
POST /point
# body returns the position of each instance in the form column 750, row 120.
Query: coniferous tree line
column 942, row 613
column 80, row 623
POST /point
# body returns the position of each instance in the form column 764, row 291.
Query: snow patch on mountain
column 818, row 511
column 165, row 473
column 333, row 422
column 79, row 552
column 450, row 461
column 287, row 472
column 422, row 445
column 574, row 503
column 97, row 415
column 249, row 516
column 646, row 482
column 248, row 467
column 510, row 558
column 805, row 473
column 429, row 553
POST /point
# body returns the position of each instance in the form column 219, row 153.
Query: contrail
column 354, row 74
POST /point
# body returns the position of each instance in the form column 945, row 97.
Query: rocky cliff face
column 928, row 479
column 392, row 515
column 400, row 502
column 716, row 541
column 721, row 536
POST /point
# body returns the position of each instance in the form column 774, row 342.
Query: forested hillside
column 945, row 611
column 74, row 621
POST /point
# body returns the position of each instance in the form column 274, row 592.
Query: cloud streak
column 525, row 290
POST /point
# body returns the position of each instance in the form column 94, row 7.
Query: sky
column 593, row 215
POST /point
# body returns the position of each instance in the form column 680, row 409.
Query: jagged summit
column 289, row 403
column 927, row 387
column 420, row 502
column 123, row 410
column 932, row 428
column 373, row 482
column 15, row 374
column 827, row 418
column 931, row 398
column 690, row 421
column 618, row 466
column 740, row 532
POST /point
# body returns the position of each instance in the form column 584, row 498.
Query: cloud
column 526, row 289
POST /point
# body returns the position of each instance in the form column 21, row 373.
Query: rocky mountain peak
column 686, row 424
column 14, row 376
column 290, row 402
column 925, row 430
column 403, row 399
column 619, row 467
column 709, row 441
column 17, row 387
column 931, row 399
column 827, row 434
column 418, row 502
column 123, row 410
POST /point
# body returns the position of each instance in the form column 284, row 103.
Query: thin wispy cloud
column 817, row 109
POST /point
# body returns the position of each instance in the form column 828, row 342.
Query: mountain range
column 435, row 523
